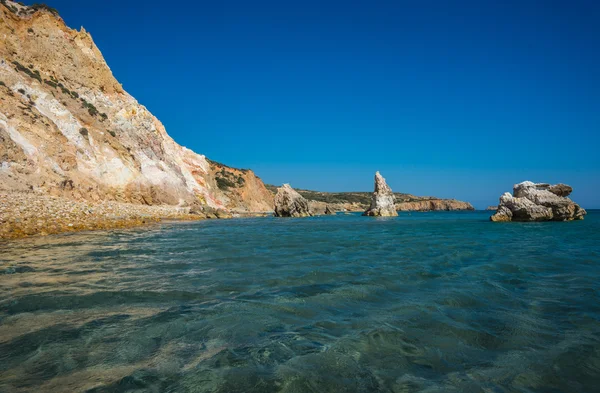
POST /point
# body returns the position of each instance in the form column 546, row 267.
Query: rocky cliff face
column 434, row 204
column 67, row 128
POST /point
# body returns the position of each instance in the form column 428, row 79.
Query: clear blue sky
column 447, row 98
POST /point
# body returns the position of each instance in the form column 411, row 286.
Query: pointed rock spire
column 383, row 200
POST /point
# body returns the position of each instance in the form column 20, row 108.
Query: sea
column 423, row 302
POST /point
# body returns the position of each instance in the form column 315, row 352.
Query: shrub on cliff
column 90, row 107
column 35, row 74
column 38, row 6
column 50, row 83
column 224, row 184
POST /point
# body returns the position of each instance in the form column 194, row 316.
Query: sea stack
column 383, row 200
column 538, row 202
column 288, row 203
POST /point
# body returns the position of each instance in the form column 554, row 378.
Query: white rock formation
column 288, row 203
column 538, row 202
column 383, row 200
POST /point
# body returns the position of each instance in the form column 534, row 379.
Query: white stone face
column 535, row 202
column 289, row 203
column 383, row 202
column 28, row 148
column 49, row 106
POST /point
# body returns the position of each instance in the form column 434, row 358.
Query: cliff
column 435, row 205
column 68, row 129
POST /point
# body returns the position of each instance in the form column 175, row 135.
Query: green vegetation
column 227, row 179
column 221, row 165
column 224, row 183
column 83, row 131
column 64, row 89
column 11, row 7
column 2, row 83
column 363, row 198
column 22, row 91
column 111, row 132
column 90, row 107
column 35, row 74
column 56, row 84
column 92, row 110
column 38, row 6
column 30, row 30
column 103, row 117
column 50, row 83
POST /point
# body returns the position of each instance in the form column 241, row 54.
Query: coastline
column 30, row 214
column 27, row 214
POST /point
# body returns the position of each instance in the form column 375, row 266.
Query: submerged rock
column 383, row 200
column 538, row 202
column 288, row 203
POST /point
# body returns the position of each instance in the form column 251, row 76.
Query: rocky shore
column 30, row 214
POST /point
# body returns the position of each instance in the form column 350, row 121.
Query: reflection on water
column 432, row 302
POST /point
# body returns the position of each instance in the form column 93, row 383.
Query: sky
column 455, row 99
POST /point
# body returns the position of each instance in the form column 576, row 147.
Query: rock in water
column 329, row 211
column 538, row 202
column 288, row 203
column 382, row 201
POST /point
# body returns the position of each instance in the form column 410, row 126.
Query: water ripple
column 427, row 302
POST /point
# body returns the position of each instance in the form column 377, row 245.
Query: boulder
column 383, row 200
column 316, row 208
column 288, row 203
column 209, row 212
column 538, row 202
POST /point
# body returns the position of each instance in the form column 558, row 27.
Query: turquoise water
column 426, row 302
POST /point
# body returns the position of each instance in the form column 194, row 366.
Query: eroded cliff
column 68, row 129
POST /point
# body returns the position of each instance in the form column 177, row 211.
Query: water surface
column 426, row 302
